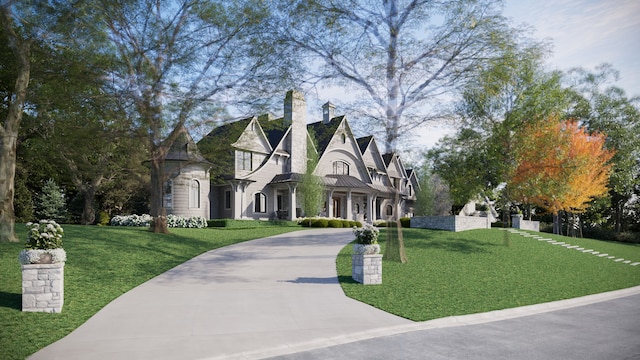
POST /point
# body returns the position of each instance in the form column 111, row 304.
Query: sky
column 584, row 33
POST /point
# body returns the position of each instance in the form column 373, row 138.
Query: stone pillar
column 367, row 269
column 43, row 287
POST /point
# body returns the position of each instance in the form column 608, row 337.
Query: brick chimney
column 295, row 114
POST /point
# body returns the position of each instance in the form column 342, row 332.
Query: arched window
column 194, row 194
column 167, row 196
column 340, row 168
column 260, row 203
column 344, row 138
column 357, row 208
column 389, row 210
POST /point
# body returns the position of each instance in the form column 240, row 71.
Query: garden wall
column 517, row 222
column 450, row 223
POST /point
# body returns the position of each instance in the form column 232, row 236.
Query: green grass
column 103, row 263
column 475, row 271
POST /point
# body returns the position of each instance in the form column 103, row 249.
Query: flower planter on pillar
column 366, row 261
column 43, row 268
column 43, row 287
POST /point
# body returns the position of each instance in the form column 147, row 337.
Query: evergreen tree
column 51, row 204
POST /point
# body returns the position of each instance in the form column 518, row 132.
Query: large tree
column 177, row 59
column 560, row 167
column 397, row 56
column 509, row 93
column 14, row 99
column 603, row 107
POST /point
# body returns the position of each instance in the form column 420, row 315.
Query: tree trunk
column 158, row 212
column 89, row 210
column 556, row 224
column 9, row 132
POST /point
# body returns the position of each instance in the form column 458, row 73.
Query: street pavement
column 280, row 297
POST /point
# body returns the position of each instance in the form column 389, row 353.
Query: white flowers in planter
column 45, row 238
column 366, row 240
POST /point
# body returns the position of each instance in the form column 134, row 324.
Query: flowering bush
column 45, row 234
column 131, row 220
column 366, row 235
column 183, row 222
column 173, row 221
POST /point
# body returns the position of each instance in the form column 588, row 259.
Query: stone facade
column 517, row 222
column 43, row 287
column 260, row 162
column 367, row 269
column 451, row 223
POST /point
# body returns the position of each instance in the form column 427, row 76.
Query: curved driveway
column 280, row 295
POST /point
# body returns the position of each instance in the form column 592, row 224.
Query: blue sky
column 586, row 33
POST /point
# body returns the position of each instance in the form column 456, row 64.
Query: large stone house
column 256, row 166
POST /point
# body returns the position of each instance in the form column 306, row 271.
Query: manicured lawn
column 103, row 263
column 474, row 271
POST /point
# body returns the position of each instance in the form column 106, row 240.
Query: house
column 256, row 165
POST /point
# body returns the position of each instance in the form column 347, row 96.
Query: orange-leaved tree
column 560, row 167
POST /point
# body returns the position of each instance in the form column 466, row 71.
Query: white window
column 194, row 194
column 340, row 168
column 243, row 160
column 260, row 203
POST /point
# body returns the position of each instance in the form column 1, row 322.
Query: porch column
column 349, row 212
column 274, row 199
column 292, row 201
column 329, row 203
column 238, row 199
column 370, row 212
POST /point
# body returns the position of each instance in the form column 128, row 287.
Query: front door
column 336, row 208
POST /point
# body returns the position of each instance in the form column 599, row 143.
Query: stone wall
column 450, row 223
column 43, row 287
column 367, row 269
column 517, row 222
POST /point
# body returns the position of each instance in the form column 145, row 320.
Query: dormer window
column 344, row 138
column 340, row 168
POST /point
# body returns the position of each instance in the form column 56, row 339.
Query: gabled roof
column 185, row 149
column 324, row 132
column 274, row 129
column 363, row 143
column 216, row 148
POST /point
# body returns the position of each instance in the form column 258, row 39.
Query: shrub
column 405, row 222
column 131, row 220
column 320, row 223
column 103, row 218
column 355, row 224
column 334, row 223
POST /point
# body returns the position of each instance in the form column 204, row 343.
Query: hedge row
column 248, row 224
column 332, row 223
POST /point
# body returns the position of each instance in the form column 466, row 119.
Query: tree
column 175, row 59
column 398, row 55
column 20, row 46
column 509, row 92
column 311, row 188
column 433, row 197
column 560, row 167
column 51, row 204
column 606, row 108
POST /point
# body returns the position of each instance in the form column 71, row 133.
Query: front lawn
column 474, row 271
column 103, row 263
